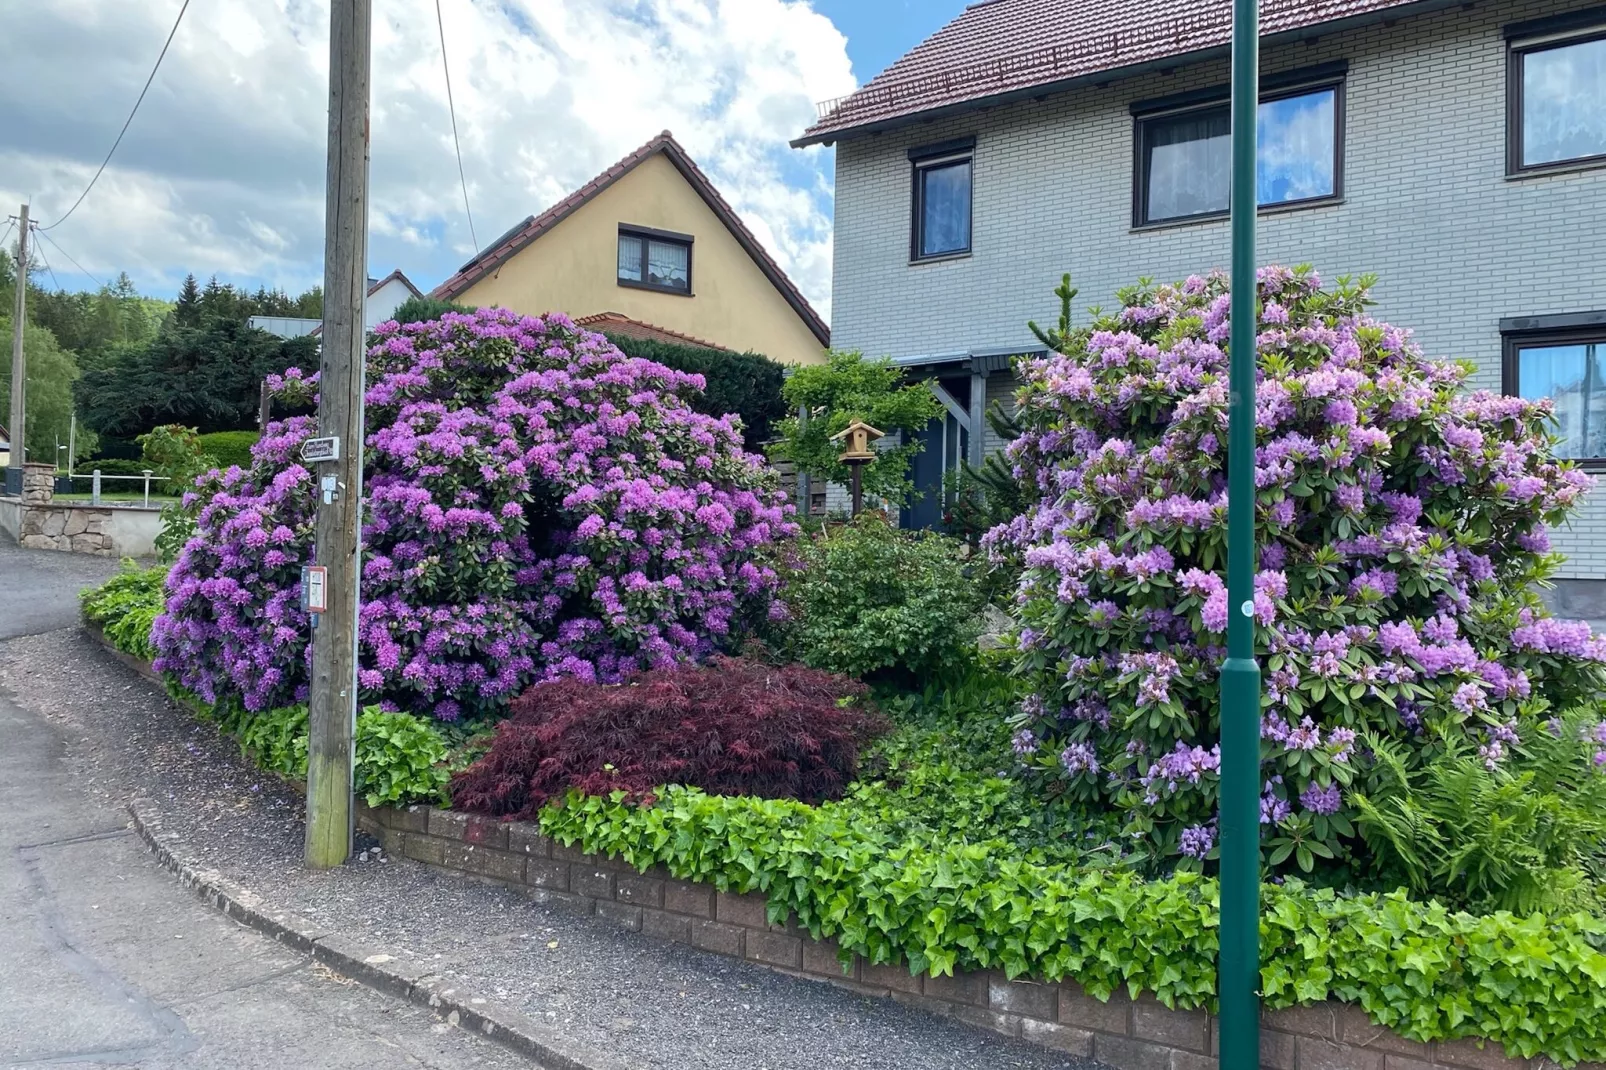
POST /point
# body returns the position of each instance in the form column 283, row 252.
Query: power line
column 70, row 260
column 10, row 226
column 452, row 109
column 48, row 268
column 130, row 119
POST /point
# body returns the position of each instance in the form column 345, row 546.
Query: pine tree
column 187, row 313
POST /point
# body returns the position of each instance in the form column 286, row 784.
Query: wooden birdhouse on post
column 858, row 452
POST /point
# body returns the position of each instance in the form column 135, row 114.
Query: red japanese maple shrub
column 731, row 727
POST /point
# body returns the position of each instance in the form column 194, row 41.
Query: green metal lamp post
column 1238, row 972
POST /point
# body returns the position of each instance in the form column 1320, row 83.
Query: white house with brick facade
column 1458, row 150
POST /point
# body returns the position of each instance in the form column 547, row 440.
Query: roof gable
column 533, row 227
column 1002, row 48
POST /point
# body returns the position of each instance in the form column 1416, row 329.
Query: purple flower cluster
column 1401, row 527
column 536, row 504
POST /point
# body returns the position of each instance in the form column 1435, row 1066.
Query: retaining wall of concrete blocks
column 1127, row 1034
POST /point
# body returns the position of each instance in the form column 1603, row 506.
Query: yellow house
column 648, row 248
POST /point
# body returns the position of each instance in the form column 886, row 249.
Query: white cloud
column 222, row 170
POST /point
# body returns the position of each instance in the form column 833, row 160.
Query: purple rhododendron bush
column 1401, row 525
column 539, row 506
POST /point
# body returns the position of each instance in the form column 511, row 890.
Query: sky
column 222, row 170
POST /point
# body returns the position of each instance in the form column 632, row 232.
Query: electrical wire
column 10, row 226
column 451, row 108
column 48, row 268
column 126, row 122
column 70, row 260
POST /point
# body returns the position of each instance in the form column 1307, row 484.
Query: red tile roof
column 1004, row 48
column 522, row 234
column 619, row 323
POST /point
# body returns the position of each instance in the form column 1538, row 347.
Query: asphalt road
column 106, row 960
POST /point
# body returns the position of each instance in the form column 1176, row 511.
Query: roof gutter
column 1222, row 51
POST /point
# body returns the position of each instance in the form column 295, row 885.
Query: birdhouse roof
column 858, row 425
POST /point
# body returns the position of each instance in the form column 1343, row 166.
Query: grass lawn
column 116, row 496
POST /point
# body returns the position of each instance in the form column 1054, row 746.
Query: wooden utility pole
column 19, row 369
column 264, row 407
column 332, row 704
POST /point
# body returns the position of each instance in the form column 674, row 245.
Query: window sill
column 940, row 258
column 649, row 287
column 1222, row 217
column 1563, row 167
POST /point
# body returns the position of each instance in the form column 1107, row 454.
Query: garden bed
column 609, row 868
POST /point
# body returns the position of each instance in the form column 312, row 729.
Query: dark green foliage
column 425, row 309
column 229, row 447
column 871, row 599
column 125, row 605
column 1520, row 836
column 747, row 384
column 846, row 388
column 108, row 466
column 207, row 377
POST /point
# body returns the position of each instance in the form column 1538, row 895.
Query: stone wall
column 37, row 521
column 1126, row 1034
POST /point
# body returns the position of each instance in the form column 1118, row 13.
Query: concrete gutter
column 371, row 966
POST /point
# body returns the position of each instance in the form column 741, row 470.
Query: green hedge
column 747, row 384
column 229, row 447
column 1537, row 985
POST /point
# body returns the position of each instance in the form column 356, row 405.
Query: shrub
column 746, row 384
column 846, row 388
column 174, row 452
column 125, row 607
column 733, row 727
column 229, row 447
column 399, row 758
column 84, row 471
column 871, row 599
column 425, row 309
column 1401, row 526
column 1534, row 984
column 540, row 506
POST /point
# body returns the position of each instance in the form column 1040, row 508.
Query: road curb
column 364, row 963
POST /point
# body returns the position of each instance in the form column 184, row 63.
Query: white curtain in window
column 630, row 257
column 668, row 265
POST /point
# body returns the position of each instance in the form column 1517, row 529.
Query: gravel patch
column 657, row 1005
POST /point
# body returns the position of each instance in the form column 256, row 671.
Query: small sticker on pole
column 315, row 589
column 314, row 450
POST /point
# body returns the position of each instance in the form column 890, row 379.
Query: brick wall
column 1427, row 206
column 1123, row 1033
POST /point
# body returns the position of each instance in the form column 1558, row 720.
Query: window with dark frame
column 1556, row 92
column 655, row 260
column 1568, row 366
column 1183, row 153
column 942, row 188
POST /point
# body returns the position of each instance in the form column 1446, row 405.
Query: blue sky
column 222, row 170
column 879, row 31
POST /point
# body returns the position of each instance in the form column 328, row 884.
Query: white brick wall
column 1427, row 207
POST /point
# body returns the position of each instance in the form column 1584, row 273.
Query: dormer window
column 655, row 259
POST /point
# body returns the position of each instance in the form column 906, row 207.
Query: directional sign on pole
column 314, row 450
